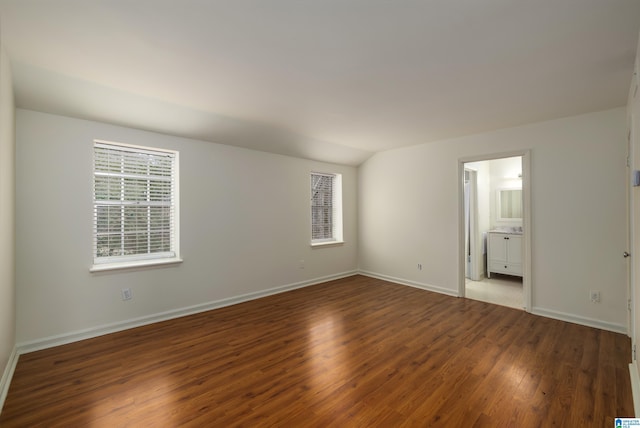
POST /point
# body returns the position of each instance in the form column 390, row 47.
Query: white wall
column 7, row 215
column 503, row 174
column 408, row 213
column 484, row 218
column 245, row 226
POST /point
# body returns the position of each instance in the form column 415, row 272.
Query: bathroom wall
column 483, row 183
column 504, row 174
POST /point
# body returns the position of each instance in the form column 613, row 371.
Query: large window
column 326, row 208
column 135, row 206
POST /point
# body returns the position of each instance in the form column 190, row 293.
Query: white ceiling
column 332, row 80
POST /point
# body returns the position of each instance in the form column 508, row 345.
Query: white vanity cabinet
column 504, row 253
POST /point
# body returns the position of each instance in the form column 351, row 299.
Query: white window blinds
column 134, row 203
column 326, row 208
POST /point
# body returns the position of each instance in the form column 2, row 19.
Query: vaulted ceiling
column 332, row 80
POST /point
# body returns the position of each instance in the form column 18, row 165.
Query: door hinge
column 629, row 304
column 634, row 352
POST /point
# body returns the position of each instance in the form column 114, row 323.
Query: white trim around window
column 135, row 206
column 326, row 209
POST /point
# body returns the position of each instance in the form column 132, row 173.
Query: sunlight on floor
column 155, row 396
column 501, row 290
column 329, row 357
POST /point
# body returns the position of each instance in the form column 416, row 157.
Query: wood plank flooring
column 353, row 352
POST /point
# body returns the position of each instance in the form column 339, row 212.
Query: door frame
column 526, row 220
column 471, row 266
column 633, row 245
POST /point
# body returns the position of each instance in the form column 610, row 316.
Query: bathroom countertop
column 512, row 230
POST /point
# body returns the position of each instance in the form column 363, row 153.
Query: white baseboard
column 635, row 389
column 562, row 316
column 576, row 319
column 7, row 375
column 410, row 283
column 75, row 336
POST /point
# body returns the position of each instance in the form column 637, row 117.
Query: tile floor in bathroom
column 504, row 290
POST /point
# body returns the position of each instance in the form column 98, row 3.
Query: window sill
column 326, row 244
column 133, row 265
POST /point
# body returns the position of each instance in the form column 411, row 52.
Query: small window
column 135, row 206
column 326, row 208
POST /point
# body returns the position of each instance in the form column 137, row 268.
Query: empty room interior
column 319, row 213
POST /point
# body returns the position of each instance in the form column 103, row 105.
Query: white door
column 498, row 247
column 514, row 249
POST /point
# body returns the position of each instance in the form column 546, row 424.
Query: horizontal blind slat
column 140, row 176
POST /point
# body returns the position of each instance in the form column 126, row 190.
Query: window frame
column 336, row 205
column 172, row 256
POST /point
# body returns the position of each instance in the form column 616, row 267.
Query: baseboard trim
column 575, row 319
column 423, row 286
column 562, row 316
column 635, row 388
column 7, row 375
column 75, row 336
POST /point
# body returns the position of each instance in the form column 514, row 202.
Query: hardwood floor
column 352, row 352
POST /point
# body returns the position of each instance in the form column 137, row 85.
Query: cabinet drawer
column 508, row 268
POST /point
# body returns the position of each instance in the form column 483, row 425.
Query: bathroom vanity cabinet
column 504, row 253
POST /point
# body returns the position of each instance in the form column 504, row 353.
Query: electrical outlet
column 419, row 266
column 595, row 296
column 126, row 294
column 301, row 264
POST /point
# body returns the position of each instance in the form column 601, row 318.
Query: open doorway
column 493, row 231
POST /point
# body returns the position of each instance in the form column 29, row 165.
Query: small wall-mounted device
column 635, row 178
